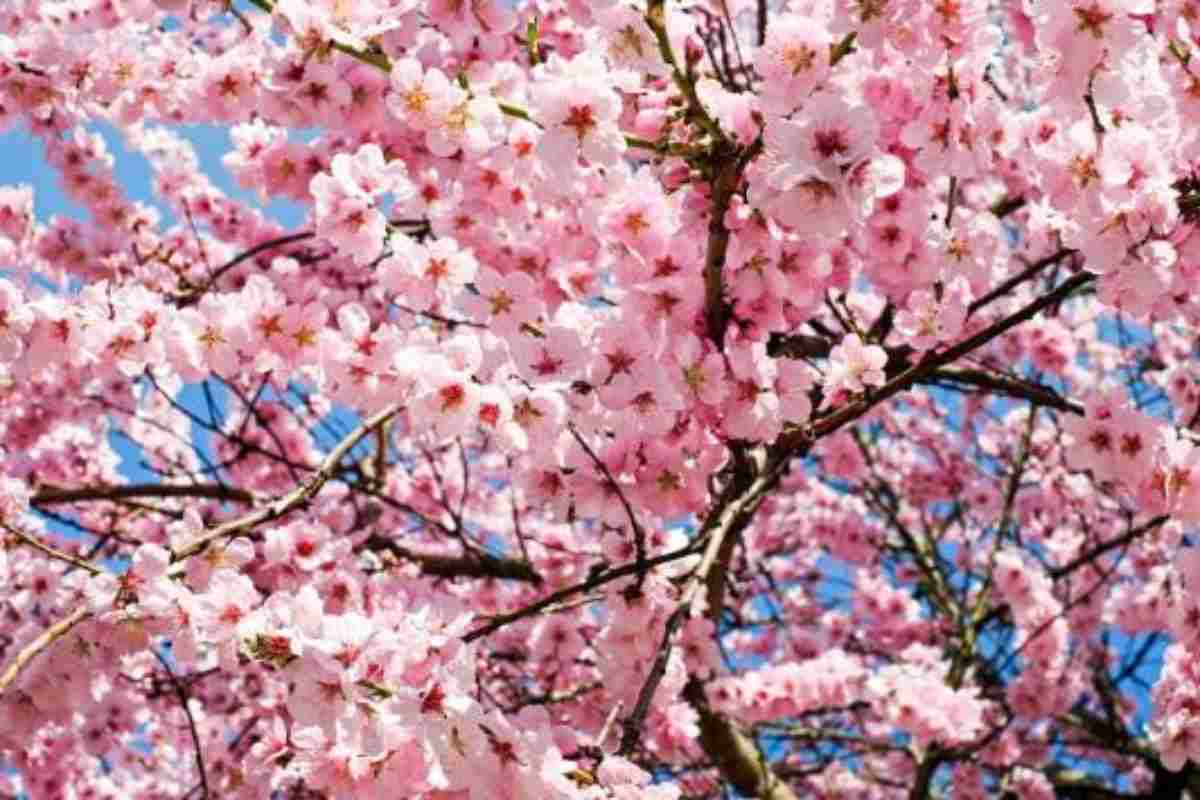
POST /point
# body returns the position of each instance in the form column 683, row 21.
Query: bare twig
column 639, row 533
column 182, row 694
column 596, row 580
column 1111, row 544
column 1016, row 280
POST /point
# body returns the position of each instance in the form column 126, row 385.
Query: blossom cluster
column 639, row 376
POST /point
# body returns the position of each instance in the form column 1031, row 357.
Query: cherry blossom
column 620, row 399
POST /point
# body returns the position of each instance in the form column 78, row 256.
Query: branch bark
column 46, row 549
column 734, row 753
column 54, row 495
column 731, row 513
column 470, row 565
column 193, row 295
column 47, row 638
column 182, row 694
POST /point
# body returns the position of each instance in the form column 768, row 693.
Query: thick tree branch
column 731, row 513
column 738, row 760
column 716, row 311
column 52, row 495
column 734, row 753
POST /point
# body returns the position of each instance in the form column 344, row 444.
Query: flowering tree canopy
column 659, row 399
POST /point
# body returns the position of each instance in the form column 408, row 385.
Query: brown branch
column 639, row 533
column 593, row 582
column 1117, row 541
column 182, row 694
column 51, row 495
column 194, row 294
column 932, row 362
column 734, row 753
column 732, row 511
column 1016, row 280
column 717, row 312
column 923, row 780
column 469, row 565
column 42, row 547
column 1008, row 386
column 899, row 359
column 297, row 497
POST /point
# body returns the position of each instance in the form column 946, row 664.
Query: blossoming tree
column 660, row 399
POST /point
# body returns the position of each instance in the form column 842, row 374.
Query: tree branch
column 469, row 565
column 1117, row 541
column 734, row 753
column 639, row 533
column 182, row 694
column 932, row 362
column 194, row 294
column 295, row 498
column 47, row 638
column 731, row 513
column 42, row 547
column 52, row 495
column 595, row 581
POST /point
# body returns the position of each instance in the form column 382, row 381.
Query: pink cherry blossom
column 599, row 400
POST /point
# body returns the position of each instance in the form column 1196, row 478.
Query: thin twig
column 182, row 694
column 195, row 294
column 639, row 533
column 600, row 579
column 59, row 555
